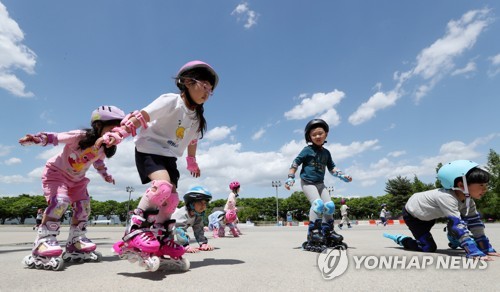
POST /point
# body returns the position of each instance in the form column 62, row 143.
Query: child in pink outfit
column 64, row 182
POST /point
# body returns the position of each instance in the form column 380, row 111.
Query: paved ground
column 263, row 259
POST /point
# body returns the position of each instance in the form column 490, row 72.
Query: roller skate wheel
column 66, row 257
column 186, row 264
column 59, row 264
column 98, row 256
column 27, row 262
column 153, row 263
column 342, row 246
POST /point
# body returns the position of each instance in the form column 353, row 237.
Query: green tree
column 437, row 183
column 489, row 204
column 401, row 189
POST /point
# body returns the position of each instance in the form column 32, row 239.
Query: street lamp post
column 129, row 190
column 330, row 191
column 276, row 184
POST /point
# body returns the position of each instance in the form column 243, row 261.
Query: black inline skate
column 315, row 240
column 331, row 238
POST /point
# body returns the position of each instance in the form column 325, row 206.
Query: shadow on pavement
column 212, row 262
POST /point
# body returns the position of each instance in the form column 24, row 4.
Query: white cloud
column 219, row 164
column 219, row 133
column 5, row 150
column 376, row 102
column 432, row 63
column 243, row 13
column 13, row 179
column 11, row 161
column 13, row 55
column 318, row 103
column 396, row 153
column 386, row 168
column 495, row 60
column 470, row 67
column 495, row 65
column 258, row 134
column 438, row 59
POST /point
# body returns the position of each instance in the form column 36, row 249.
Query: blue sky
column 404, row 85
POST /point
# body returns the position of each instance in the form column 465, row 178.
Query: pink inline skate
column 170, row 253
column 139, row 245
column 79, row 247
column 46, row 252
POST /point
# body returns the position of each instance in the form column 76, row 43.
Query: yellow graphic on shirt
column 79, row 161
column 179, row 133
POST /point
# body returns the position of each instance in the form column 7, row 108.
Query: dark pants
column 421, row 232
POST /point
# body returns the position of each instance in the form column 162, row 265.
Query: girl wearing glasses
column 170, row 124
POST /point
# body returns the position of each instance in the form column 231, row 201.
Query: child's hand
column 289, row 183
column 484, row 258
column 192, row 166
column 190, row 249
column 495, row 254
column 98, row 142
column 206, row 247
column 29, row 140
column 109, row 179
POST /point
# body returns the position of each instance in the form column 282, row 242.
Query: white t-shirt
column 231, row 202
column 171, row 128
column 343, row 210
column 439, row 203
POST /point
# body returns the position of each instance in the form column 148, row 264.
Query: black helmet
column 196, row 194
column 314, row 124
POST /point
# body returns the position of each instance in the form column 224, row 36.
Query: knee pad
column 170, row 203
column 318, row 206
column 181, row 237
column 81, row 210
column 160, row 194
column 427, row 243
column 457, row 227
column 57, row 206
column 329, row 208
column 452, row 241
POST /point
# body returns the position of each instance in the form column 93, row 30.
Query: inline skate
column 139, row 244
column 170, row 253
column 79, row 247
column 46, row 252
column 331, row 238
column 315, row 240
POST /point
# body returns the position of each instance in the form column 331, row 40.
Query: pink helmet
column 342, row 201
column 107, row 113
column 230, row 216
column 198, row 64
column 234, row 185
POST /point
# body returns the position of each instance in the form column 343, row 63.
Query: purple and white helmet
column 107, row 113
column 198, row 64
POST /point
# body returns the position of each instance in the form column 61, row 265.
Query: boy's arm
column 198, row 231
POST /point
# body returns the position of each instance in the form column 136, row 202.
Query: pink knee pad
column 163, row 191
column 171, row 203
